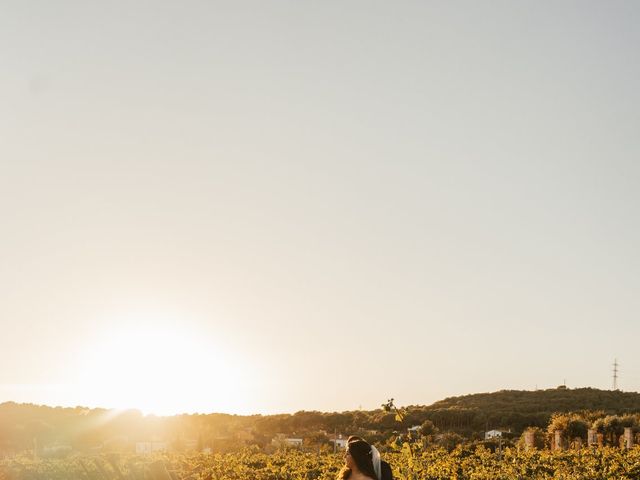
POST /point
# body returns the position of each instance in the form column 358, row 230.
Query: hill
column 518, row 409
column 85, row 429
column 552, row 400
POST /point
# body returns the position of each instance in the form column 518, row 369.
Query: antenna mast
column 615, row 373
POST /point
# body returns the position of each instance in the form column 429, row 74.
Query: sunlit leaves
column 462, row 463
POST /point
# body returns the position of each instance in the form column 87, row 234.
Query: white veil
column 375, row 457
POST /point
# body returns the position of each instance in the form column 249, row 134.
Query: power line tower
column 615, row 373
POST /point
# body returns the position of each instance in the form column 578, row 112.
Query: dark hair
column 385, row 471
column 385, row 468
column 360, row 451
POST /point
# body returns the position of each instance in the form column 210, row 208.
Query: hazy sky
column 273, row 206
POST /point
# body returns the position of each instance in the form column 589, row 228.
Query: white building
column 281, row 441
column 492, row 434
column 293, row 442
column 339, row 442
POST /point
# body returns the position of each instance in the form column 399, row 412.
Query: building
column 281, row 441
column 491, row 434
column 339, row 442
column 293, row 442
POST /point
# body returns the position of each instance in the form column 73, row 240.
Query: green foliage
column 516, row 410
column 573, row 426
column 539, row 438
column 461, row 463
column 428, row 429
column 23, row 427
column 450, row 441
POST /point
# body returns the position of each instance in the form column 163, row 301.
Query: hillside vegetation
column 518, row 409
column 469, row 415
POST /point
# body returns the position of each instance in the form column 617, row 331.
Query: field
column 462, row 463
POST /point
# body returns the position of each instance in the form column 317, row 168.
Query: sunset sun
column 162, row 370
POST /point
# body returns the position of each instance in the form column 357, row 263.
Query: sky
column 273, row 206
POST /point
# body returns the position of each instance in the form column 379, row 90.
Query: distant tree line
column 28, row 427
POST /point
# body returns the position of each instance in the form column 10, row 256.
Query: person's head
column 385, row 469
column 358, row 457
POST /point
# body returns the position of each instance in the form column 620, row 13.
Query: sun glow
column 163, row 368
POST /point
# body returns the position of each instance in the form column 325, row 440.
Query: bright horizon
column 161, row 413
column 271, row 207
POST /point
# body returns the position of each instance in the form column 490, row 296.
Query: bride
column 362, row 462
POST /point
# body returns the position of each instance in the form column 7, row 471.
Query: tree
column 613, row 428
column 539, row 437
column 576, row 429
column 450, row 440
column 572, row 426
column 559, row 421
column 428, row 431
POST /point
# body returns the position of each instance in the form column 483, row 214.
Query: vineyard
column 461, row 463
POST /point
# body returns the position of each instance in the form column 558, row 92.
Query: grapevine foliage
column 463, row 463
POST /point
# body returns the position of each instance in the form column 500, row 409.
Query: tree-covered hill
column 82, row 428
column 556, row 399
column 518, row 409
